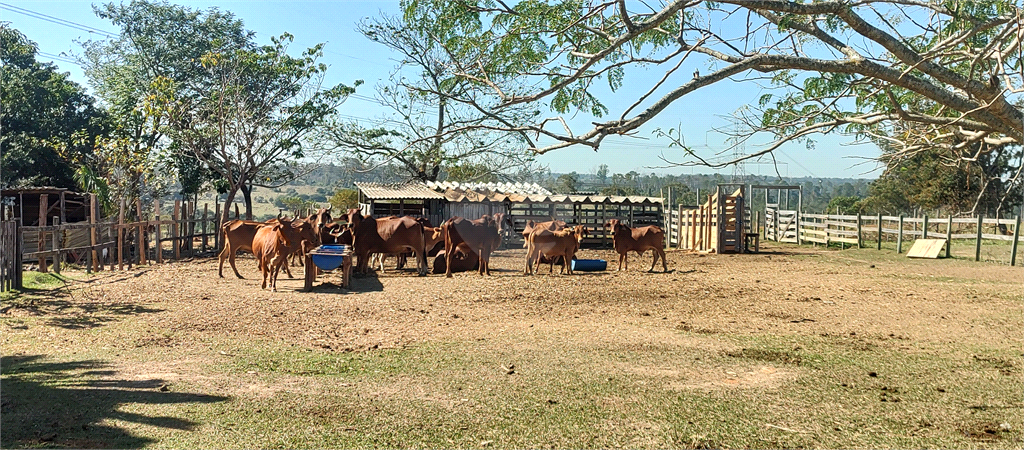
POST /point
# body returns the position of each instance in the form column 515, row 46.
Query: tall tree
column 248, row 116
column 921, row 74
column 430, row 128
column 49, row 123
column 158, row 40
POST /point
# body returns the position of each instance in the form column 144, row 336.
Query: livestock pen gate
column 718, row 225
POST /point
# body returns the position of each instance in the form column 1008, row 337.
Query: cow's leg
column 222, row 256
column 449, row 256
column 421, row 262
column 568, row 264
column 621, row 258
column 664, row 265
column 231, row 260
column 264, row 272
column 273, row 268
column 485, row 259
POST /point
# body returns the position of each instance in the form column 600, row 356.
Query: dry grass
column 794, row 347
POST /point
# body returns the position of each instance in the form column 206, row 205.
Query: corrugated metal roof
column 413, row 190
column 502, row 188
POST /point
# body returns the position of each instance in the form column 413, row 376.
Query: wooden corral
column 36, row 206
column 717, row 225
column 522, row 202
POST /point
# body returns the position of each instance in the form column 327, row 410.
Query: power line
column 58, row 58
column 56, row 20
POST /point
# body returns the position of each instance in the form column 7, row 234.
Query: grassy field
column 791, row 348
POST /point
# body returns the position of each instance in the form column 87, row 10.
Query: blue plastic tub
column 589, row 265
column 329, row 257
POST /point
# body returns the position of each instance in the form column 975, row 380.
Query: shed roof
column 398, row 191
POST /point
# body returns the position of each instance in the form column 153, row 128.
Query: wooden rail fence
column 110, row 241
column 855, row 230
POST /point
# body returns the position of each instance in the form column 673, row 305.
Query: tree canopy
column 49, row 122
column 430, row 129
column 916, row 74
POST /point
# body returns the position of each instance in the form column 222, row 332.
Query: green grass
column 35, row 284
column 839, row 393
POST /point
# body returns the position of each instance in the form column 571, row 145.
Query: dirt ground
column 783, row 290
column 176, row 321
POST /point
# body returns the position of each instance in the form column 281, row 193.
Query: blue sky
column 351, row 57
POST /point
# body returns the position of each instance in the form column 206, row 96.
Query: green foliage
column 49, row 124
column 844, row 205
column 345, row 199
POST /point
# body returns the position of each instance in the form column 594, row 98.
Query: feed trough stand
column 328, row 257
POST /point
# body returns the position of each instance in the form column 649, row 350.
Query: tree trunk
column 246, row 189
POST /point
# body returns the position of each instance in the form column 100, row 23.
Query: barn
column 522, row 201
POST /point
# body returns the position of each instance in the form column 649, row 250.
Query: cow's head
column 581, row 232
column 613, row 224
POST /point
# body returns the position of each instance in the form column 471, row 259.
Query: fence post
column 176, row 229
column 56, row 246
column 879, row 231
column 93, row 212
column 140, row 237
column 977, row 242
column 899, row 236
column 44, row 205
column 206, row 214
column 120, row 236
column 949, row 235
column 924, row 229
column 776, row 233
column 860, row 236
column 159, row 245
column 679, row 230
column 216, row 230
column 1016, row 237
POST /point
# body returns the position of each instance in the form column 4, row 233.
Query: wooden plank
column 926, row 248
column 93, row 238
column 43, row 205
column 977, row 243
column 142, row 228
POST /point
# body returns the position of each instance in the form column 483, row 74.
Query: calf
column 639, row 240
column 236, row 235
column 273, row 244
column 553, row 244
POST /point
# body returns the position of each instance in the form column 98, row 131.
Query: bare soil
column 783, row 290
column 860, row 298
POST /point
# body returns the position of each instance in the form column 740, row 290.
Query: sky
column 58, row 26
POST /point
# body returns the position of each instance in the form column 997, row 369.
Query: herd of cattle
column 467, row 243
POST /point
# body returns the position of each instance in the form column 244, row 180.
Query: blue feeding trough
column 329, row 257
column 589, row 265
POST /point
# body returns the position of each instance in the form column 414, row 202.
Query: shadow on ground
column 72, row 405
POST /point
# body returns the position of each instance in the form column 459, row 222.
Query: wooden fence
column 112, row 242
column 855, row 230
column 720, row 224
column 10, row 256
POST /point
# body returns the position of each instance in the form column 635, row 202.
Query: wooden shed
column 31, row 205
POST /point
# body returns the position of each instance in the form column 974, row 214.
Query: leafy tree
column 919, row 74
column 49, row 123
column 345, row 199
column 157, row 40
column 250, row 123
column 844, row 205
column 431, row 129
column 566, row 183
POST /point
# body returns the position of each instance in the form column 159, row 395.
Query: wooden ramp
column 926, row 248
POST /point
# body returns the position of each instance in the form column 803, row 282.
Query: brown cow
column 389, row 235
column 639, row 240
column 236, row 235
column 480, row 235
column 273, row 244
column 554, row 244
